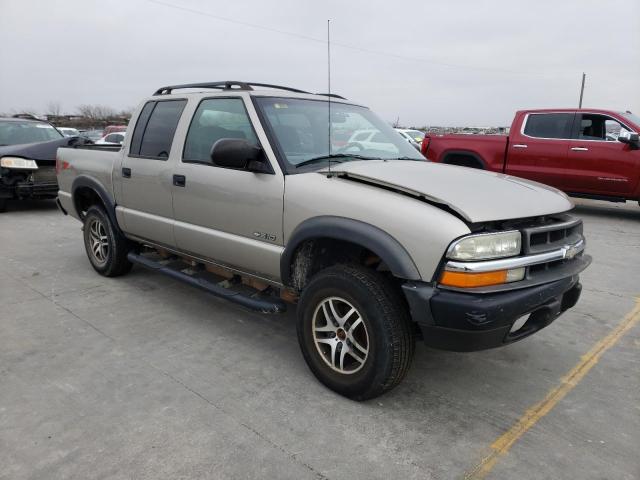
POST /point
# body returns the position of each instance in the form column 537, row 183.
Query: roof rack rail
column 332, row 95
column 226, row 85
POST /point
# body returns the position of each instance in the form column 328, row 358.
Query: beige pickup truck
column 264, row 196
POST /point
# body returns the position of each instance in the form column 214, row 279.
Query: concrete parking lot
column 142, row 377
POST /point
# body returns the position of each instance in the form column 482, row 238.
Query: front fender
column 390, row 251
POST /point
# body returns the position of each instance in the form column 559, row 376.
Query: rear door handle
column 179, row 180
column 519, row 145
column 126, row 172
column 579, row 149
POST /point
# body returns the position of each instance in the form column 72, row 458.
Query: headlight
column 18, row 162
column 486, row 246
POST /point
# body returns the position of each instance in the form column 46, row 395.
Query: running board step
column 264, row 305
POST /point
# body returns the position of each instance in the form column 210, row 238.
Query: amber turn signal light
column 470, row 279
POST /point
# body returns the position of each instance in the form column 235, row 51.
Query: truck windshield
column 301, row 129
column 13, row 132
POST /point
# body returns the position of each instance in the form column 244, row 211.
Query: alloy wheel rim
column 340, row 335
column 98, row 241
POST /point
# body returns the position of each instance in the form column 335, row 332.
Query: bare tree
column 126, row 112
column 86, row 111
column 54, row 109
column 96, row 112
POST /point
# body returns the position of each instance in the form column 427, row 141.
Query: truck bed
column 94, row 161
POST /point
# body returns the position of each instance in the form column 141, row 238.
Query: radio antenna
column 329, row 89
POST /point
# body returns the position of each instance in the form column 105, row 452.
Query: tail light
column 425, row 145
column 61, row 165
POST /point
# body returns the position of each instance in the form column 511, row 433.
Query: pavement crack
column 293, row 456
column 68, row 310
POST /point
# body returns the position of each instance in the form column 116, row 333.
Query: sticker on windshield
column 280, row 105
column 43, row 125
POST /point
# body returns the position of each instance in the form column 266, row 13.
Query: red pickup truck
column 586, row 153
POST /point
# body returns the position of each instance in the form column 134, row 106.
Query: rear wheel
column 3, row 205
column 354, row 331
column 106, row 248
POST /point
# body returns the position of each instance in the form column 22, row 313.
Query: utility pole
column 584, row 75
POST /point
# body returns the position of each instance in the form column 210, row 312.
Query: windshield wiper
column 334, row 156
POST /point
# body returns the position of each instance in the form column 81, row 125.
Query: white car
column 414, row 137
column 370, row 139
column 68, row 131
column 115, row 138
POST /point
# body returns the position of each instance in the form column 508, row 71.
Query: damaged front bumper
column 40, row 184
column 453, row 320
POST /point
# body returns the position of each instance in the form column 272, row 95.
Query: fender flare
column 468, row 153
column 84, row 181
column 392, row 253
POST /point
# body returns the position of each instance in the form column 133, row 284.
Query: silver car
column 248, row 184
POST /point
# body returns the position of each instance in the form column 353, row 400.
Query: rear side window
column 549, row 125
column 141, row 124
column 155, row 128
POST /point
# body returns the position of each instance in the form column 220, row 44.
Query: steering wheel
column 350, row 145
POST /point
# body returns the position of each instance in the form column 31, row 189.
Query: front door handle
column 579, row 149
column 179, row 180
column 126, row 172
column 519, row 145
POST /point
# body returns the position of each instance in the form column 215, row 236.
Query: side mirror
column 630, row 138
column 239, row 154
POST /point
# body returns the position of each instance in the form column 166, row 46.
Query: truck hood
column 476, row 195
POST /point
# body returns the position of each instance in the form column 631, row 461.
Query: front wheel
column 354, row 331
column 106, row 248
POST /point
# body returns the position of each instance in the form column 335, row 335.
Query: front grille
column 551, row 234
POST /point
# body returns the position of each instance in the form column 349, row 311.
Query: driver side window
column 613, row 130
column 215, row 119
column 599, row 127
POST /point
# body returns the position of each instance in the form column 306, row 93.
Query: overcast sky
column 466, row 62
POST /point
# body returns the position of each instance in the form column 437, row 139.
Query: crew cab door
column 228, row 216
column 597, row 162
column 144, row 197
column 539, row 150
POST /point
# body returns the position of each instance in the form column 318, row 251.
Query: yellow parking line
column 502, row 445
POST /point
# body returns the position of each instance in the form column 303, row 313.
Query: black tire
column 109, row 258
column 388, row 333
column 3, row 205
